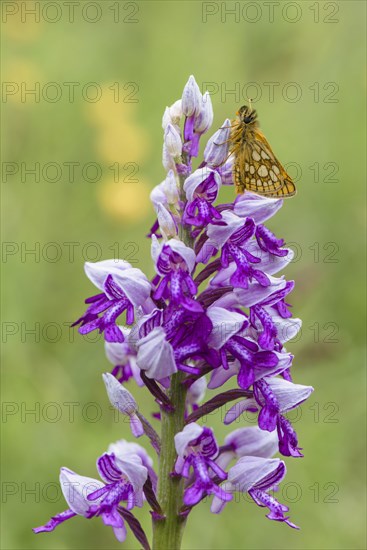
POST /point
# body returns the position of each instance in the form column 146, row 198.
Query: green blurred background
column 311, row 54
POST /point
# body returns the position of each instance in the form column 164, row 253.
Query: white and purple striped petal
column 225, row 324
column 288, row 394
column 156, row 355
column 253, row 471
column 131, row 280
column 257, row 207
column 216, row 150
column 219, row 234
column 191, row 432
column 198, row 178
column 252, row 441
column 75, row 489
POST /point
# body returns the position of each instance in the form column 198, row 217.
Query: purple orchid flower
column 175, row 263
column 256, row 476
column 272, row 397
column 171, row 339
column 196, row 448
column 124, row 450
column 88, row 497
column 232, row 238
column 124, row 289
column 231, row 342
column 201, row 190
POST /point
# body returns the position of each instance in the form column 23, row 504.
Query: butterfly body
column 255, row 166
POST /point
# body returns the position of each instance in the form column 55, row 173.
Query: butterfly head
column 247, row 115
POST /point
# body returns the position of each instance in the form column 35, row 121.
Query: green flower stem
column 167, row 533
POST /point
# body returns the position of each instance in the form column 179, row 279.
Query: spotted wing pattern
column 257, row 169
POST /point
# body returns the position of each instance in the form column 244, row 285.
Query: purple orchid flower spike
column 207, row 330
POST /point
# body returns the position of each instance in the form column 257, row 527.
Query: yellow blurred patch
column 122, row 143
column 125, row 202
column 119, row 138
column 14, row 28
column 19, row 75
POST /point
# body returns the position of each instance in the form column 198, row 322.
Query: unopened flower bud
column 172, row 141
column 172, row 114
column 216, row 150
column 123, row 401
column 191, row 97
column 166, row 222
column 171, row 188
column 204, row 119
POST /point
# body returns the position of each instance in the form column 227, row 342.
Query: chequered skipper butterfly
column 255, row 166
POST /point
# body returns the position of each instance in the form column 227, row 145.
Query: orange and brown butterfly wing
column 258, row 170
